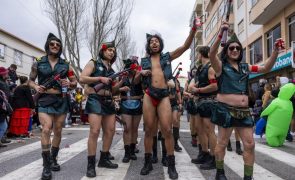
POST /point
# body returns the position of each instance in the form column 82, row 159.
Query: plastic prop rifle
column 178, row 72
column 180, row 63
column 115, row 75
column 48, row 83
column 225, row 31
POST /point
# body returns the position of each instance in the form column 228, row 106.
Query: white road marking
column 17, row 152
column 276, row 154
column 186, row 170
column 117, row 129
column 236, row 163
column 114, row 174
column 34, row 169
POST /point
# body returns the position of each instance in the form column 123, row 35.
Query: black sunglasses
column 54, row 44
column 231, row 48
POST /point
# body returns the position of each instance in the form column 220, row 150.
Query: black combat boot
column 91, row 167
column 177, row 148
column 202, row 158
column 148, row 165
column 46, row 174
column 229, row 148
column 238, row 148
column 110, row 156
column 54, row 165
column 126, row 157
column 164, row 153
column 155, row 150
column 220, row 175
column 132, row 151
column 104, row 161
column 171, row 167
column 159, row 136
column 210, row 164
column 248, row 177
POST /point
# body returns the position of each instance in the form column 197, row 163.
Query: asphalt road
column 22, row 159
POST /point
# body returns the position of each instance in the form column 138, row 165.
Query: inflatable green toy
column 279, row 114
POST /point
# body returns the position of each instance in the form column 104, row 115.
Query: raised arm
column 271, row 61
column 215, row 61
column 179, row 51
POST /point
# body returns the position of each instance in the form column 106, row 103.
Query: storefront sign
column 282, row 61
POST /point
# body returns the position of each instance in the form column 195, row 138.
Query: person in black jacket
column 23, row 105
column 4, row 95
column 12, row 73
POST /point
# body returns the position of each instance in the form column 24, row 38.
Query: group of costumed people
column 152, row 91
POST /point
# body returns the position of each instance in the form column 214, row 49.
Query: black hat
column 129, row 61
column 104, row 46
column 232, row 39
column 51, row 37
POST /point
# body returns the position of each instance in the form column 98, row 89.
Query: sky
column 27, row 20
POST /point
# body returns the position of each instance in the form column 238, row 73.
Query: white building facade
column 14, row 50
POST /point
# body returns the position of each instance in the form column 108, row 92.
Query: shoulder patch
column 67, row 61
column 166, row 55
column 38, row 58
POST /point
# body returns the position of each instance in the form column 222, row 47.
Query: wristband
column 212, row 81
column 219, row 36
column 194, row 28
column 70, row 73
column 254, row 68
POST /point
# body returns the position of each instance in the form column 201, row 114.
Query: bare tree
column 125, row 48
column 109, row 18
column 68, row 16
column 96, row 21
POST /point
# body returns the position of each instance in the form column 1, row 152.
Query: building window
column 244, row 55
column 214, row 20
column 2, row 51
column 256, row 52
column 240, row 2
column 207, row 31
column 271, row 37
column 241, row 26
column 291, row 29
column 221, row 9
column 18, row 57
column 253, row 2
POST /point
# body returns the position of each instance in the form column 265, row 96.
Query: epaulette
column 67, row 61
column 38, row 59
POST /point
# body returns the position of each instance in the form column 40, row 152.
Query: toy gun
column 180, row 63
column 225, row 31
column 178, row 72
column 115, row 75
column 48, row 83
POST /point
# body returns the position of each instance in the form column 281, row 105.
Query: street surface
column 21, row 160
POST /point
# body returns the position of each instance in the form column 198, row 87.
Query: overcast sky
column 27, row 20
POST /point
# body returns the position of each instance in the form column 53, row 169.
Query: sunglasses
column 54, row 44
column 231, row 48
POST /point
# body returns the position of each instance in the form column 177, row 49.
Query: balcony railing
column 264, row 10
